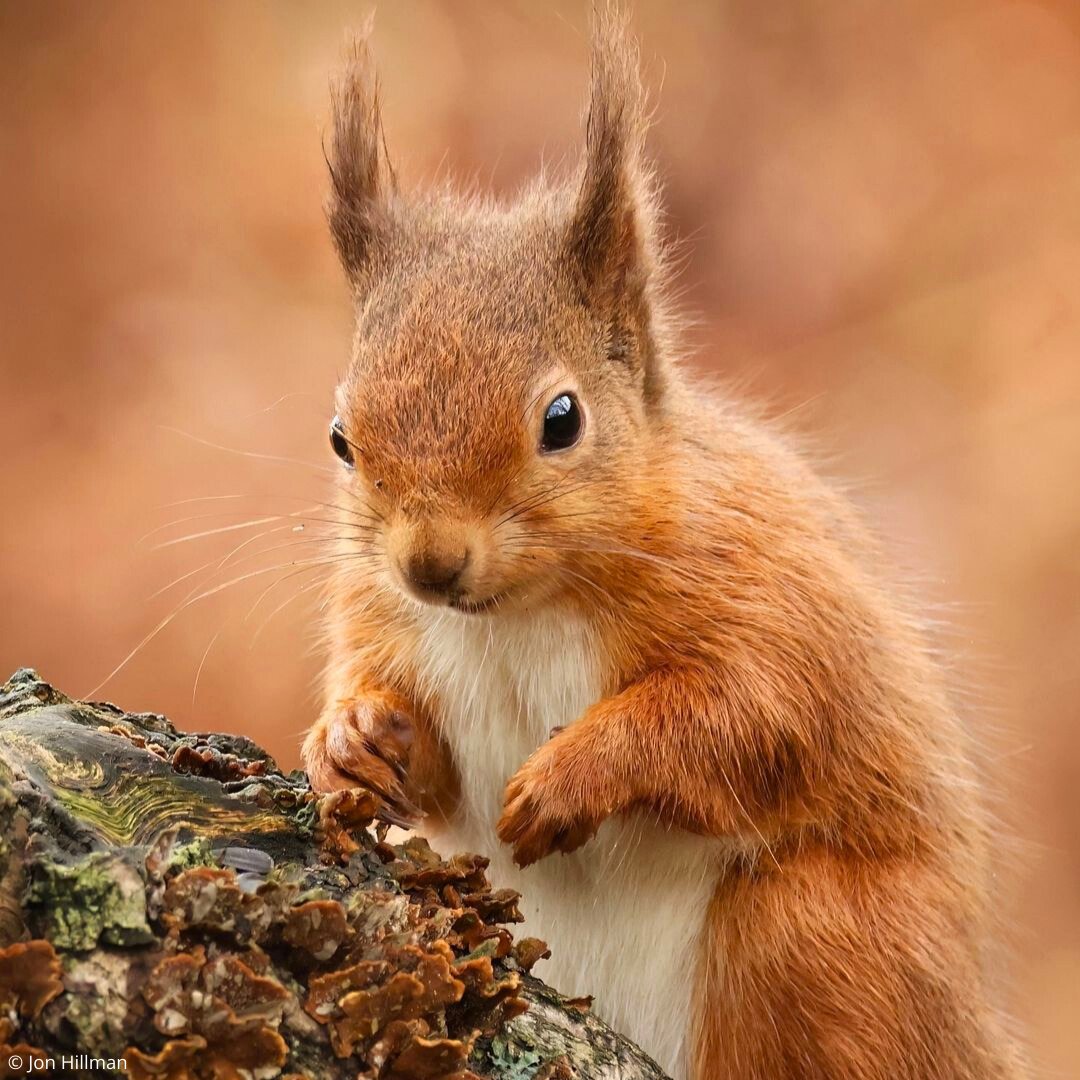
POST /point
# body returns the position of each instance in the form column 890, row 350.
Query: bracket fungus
column 29, row 980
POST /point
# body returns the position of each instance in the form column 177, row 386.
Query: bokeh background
column 881, row 209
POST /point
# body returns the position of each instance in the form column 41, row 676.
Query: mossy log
column 173, row 906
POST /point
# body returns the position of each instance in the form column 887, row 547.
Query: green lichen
column 99, row 896
column 514, row 1061
column 306, row 815
column 188, row 856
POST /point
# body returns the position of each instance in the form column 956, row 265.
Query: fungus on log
column 172, row 906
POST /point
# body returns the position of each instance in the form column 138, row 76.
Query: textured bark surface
column 175, row 901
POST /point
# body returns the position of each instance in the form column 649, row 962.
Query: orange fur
column 760, row 685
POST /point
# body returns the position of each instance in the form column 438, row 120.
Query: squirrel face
column 484, row 421
column 506, row 368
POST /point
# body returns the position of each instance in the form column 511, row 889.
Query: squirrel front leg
column 666, row 744
column 378, row 738
column 375, row 731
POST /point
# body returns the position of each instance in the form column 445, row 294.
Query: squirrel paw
column 541, row 815
column 365, row 743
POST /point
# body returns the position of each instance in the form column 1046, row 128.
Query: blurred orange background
column 881, row 210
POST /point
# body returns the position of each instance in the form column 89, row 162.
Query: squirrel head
column 510, row 364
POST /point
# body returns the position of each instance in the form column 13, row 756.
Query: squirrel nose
column 436, row 571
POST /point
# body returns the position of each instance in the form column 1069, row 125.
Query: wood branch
column 173, row 906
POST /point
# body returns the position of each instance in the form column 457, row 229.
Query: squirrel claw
column 405, row 818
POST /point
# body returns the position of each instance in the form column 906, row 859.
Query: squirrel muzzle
column 432, row 559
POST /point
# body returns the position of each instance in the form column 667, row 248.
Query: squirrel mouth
column 476, row 607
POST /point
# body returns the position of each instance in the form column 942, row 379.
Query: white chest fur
column 623, row 914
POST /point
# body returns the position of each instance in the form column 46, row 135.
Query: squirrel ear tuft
column 611, row 227
column 361, row 178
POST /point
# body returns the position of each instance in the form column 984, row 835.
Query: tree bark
column 172, row 905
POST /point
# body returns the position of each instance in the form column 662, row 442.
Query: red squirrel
column 607, row 626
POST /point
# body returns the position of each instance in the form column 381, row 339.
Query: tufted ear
column 611, row 229
column 361, row 178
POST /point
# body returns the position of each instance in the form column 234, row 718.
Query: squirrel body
column 601, row 620
column 502, row 686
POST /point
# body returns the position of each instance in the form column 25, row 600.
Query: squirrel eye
column 562, row 424
column 340, row 443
